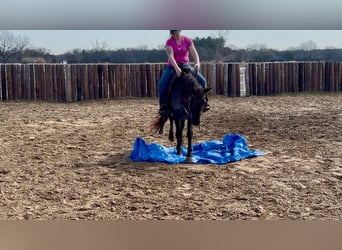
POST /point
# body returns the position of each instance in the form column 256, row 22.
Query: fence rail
column 77, row 82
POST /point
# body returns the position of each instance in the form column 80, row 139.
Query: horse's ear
column 207, row 90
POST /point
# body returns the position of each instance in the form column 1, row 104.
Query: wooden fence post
column 127, row 84
column 154, row 81
column 339, row 81
column 301, row 77
column 219, row 79
column 327, row 81
column 315, row 76
column 9, row 81
column 296, row 77
column 143, row 80
column 137, row 80
column 247, row 80
column 83, row 82
column 225, row 79
column 291, row 77
column 99, row 80
column 105, row 81
column 117, row 81
column 123, row 70
column 1, row 82
column 43, row 82
column 203, row 71
column 237, row 79
column 74, row 83
column 111, row 80
column 157, row 77
column 270, row 78
column 267, row 79
column 37, row 82
column 133, row 80
column 206, row 70
column 306, row 76
column 286, row 78
column 336, row 75
column 254, row 79
column 49, row 84
column 149, row 86
column 274, row 78
column 213, row 78
column 260, row 76
column 17, row 81
column 90, row 68
column 230, row 84
column 320, row 76
column 67, row 75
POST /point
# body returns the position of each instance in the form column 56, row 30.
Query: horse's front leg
column 189, row 157
column 171, row 135
column 178, row 136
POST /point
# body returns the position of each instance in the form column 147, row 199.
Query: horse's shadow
column 120, row 162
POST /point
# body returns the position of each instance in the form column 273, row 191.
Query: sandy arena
column 70, row 161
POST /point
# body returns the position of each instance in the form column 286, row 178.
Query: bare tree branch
column 11, row 46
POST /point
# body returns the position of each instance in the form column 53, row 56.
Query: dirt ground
column 70, row 161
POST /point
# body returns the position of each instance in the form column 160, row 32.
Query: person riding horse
column 186, row 101
column 177, row 49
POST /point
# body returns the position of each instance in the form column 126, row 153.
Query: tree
column 309, row 45
column 257, row 46
column 99, row 46
column 11, row 46
column 211, row 47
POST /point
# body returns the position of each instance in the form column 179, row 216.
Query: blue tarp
column 233, row 147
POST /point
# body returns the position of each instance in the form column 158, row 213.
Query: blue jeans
column 164, row 81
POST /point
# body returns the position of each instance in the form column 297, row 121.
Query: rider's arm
column 195, row 56
column 169, row 52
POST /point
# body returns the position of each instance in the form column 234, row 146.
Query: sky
column 61, row 41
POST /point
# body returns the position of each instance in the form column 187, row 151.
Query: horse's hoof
column 171, row 139
column 189, row 159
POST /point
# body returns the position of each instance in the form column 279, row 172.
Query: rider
column 177, row 49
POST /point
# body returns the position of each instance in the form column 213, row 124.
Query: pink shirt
column 180, row 51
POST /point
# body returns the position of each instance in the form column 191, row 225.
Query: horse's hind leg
column 171, row 135
column 161, row 125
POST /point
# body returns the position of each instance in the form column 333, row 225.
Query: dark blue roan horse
column 186, row 99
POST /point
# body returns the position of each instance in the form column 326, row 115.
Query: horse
column 185, row 102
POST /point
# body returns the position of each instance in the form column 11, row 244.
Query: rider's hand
column 197, row 66
column 178, row 72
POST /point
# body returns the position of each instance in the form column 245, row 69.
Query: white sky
column 60, row 41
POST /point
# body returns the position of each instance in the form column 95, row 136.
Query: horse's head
column 198, row 100
column 188, row 96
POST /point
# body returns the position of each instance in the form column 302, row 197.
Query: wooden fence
column 291, row 77
column 76, row 82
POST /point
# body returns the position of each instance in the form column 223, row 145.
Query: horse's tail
column 158, row 124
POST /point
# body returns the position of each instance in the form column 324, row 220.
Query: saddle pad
column 232, row 147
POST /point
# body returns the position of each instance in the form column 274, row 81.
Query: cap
column 172, row 32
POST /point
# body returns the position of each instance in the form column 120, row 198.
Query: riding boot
column 206, row 105
column 163, row 109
